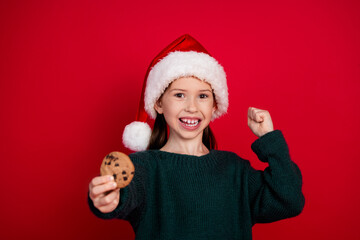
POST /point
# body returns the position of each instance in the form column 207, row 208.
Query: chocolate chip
column 132, row 173
column 114, row 175
column 125, row 178
column 123, row 172
column 116, row 164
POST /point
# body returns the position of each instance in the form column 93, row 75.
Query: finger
column 264, row 114
column 112, row 198
column 101, row 180
column 252, row 113
column 109, row 208
column 259, row 116
column 113, row 203
column 102, row 189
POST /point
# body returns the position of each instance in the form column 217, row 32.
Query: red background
column 70, row 80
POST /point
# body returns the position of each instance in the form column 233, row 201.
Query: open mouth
column 190, row 122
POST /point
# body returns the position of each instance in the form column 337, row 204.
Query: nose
column 191, row 105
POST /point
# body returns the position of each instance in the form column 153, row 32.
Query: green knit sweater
column 215, row 196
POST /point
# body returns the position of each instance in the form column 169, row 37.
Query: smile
column 190, row 122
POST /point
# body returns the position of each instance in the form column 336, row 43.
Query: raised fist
column 259, row 121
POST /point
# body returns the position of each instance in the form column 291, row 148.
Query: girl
column 183, row 188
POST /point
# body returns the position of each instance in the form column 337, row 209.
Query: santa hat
column 184, row 57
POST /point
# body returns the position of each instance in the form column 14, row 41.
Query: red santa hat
column 184, row 57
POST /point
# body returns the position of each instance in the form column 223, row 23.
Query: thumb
column 259, row 117
column 255, row 114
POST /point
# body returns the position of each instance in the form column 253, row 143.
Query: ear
column 158, row 107
column 214, row 107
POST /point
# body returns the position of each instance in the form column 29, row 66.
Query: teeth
column 189, row 122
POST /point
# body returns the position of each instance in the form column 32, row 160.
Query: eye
column 179, row 95
column 204, row 96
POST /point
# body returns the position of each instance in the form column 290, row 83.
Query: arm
column 274, row 193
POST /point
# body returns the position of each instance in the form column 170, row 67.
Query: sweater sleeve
column 132, row 199
column 274, row 193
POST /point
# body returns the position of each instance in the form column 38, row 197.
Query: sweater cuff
column 269, row 144
column 124, row 196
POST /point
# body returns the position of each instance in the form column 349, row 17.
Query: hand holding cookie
column 116, row 171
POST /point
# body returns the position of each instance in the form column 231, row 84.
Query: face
column 187, row 104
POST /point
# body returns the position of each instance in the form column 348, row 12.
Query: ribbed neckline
column 185, row 160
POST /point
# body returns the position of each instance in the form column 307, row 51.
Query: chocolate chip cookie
column 120, row 167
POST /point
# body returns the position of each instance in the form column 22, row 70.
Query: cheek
column 170, row 112
column 173, row 107
column 209, row 108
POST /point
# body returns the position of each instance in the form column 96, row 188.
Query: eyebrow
column 183, row 90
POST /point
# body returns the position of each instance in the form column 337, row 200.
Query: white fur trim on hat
column 136, row 136
column 185, row 64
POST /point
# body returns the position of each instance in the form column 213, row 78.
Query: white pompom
column 136, row 136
